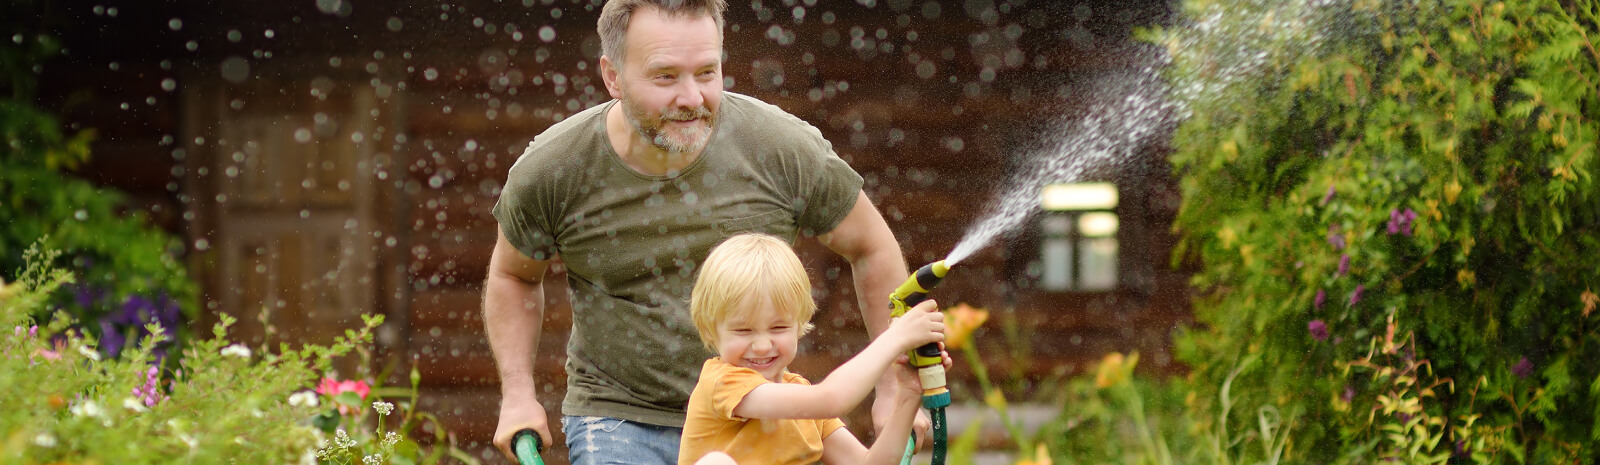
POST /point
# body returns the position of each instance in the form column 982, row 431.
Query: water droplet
column 302, row 135
column 169, row 84
column 235, row 69
column 81, row 215
column 395, row 24
column 547, row 33
column 175, row 24
column 430, row 74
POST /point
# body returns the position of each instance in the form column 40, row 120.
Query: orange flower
column 1114, row 368
column 962, row 322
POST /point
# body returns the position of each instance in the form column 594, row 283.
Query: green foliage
column 64, row 403
column 1421, row 182
column 126, row 267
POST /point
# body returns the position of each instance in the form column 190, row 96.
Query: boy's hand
column 920, row 325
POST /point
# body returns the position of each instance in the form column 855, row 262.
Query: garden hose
column 526, row 445
column 927, row 359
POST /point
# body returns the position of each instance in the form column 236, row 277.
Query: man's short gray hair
column 615, row 15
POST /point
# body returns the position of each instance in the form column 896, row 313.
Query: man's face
column 671, row 82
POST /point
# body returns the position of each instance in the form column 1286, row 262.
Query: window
column 1078, row 251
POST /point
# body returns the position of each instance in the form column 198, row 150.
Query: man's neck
column 639, row 152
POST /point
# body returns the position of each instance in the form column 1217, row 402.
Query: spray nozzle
column 916, row 288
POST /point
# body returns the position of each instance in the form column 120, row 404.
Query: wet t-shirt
column 632, row 242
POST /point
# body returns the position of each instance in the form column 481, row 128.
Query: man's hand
column 517, row 414
column 884, row 402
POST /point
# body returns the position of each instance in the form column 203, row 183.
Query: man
column 632, row 194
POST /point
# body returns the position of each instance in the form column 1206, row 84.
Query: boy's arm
column 847, row 385
column 842, row 447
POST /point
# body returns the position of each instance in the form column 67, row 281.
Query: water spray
column 927, row 359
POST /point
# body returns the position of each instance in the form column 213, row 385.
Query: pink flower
column 331, row 387
column 1322, row 296
column 1356, row 296
column 1329, row 196
column 1344, row 264
column 1401, row 222
column 1318, row 329
column 1523, row 368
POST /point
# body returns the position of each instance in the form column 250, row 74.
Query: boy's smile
column 759, row 336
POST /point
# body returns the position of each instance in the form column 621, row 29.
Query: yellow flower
column 1041, row 456
column 995, row 399
column 962, row 322
column 1114, row 369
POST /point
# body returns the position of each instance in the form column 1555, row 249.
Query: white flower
column 89, row 353
column 382, row 407
column 373, row 459
column 305, row 398
column 342, row 439
column 86, row 409
column 309, row 458
column 45, row 440
column 390, row 439
column 238, row 350
column 133, row 404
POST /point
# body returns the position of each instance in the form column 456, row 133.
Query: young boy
column 751, row 303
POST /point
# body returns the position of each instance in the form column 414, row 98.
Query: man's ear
column 610, row 74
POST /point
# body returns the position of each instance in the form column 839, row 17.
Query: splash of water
column 1129, row 110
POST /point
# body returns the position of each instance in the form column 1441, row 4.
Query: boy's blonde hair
column 747, row 266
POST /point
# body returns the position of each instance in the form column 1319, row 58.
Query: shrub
column 226, row 403
column 1399, row 226
column 127, row 273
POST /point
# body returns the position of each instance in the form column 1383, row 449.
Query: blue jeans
column 608, row 441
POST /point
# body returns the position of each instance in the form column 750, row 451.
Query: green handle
column 526, row 445
column 911, row 450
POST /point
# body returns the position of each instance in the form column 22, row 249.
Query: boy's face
column 763, row 339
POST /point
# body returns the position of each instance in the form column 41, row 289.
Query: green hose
column 526, row 445
column 939, row 433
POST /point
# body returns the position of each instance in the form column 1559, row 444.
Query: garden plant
column 224, row 402
column 1397, row 232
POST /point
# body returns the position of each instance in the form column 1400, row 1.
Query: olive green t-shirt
column 632, row 242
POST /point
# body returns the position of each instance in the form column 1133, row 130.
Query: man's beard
column 687, row 140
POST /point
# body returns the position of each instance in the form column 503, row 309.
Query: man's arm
column 864, row 239
column 513, row 309
column 877, row 267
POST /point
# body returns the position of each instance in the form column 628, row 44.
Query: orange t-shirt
column 711, row 426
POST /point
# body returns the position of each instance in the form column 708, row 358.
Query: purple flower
column 1401, row 222
column 87, row 296
column 1322, row 296
column 1319, row 330
column 1523, row 368
column 1356, row 296
column 1349, row 393
column 1328, row 197
column 1335, row 238
column 1344, row 264
column 111, row 339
